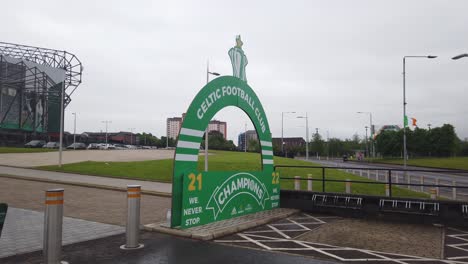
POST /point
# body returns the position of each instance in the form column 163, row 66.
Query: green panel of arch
column 200, row 197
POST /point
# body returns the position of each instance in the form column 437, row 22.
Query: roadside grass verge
column 24, row 150
column 448, row 163
column 161, row 170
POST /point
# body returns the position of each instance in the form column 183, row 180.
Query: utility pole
column 245, row 138
column 74, row 131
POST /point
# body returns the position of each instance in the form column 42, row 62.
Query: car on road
column 51, row 145
column 35, row 144
column 77, row 145
column 345, row 158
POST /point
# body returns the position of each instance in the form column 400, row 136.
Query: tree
column 253, row 146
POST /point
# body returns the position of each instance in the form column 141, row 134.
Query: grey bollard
column 360, row 173
column 348, row 186
column 132, row 234
column 377, row 175
column 368, row 174
column 309, row 182
column 433, row 193
column 53, row 220
column 387, row 190
column 454, row 190
column 397, row 177
column 409, row 180
column 297, row 183
column 437, row 188
column 422, row 182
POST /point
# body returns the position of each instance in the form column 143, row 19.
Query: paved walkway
column 24, row 229
column 85, row 180
column 73, row 156
column 92, row 204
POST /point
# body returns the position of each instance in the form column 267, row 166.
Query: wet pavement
column 160, row 248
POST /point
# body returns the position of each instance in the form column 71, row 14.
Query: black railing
column 389, row 176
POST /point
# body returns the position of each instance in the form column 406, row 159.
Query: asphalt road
column 161, row 248
column 430, row 176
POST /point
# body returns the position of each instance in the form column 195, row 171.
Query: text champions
column 230, row 91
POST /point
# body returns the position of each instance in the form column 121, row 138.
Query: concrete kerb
column 89, row 185
column 211, row 234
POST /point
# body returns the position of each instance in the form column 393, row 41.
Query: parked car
column 107, row 146
column 35, row 144
column 51, row 145
column 94, row 146
column 77, row 145
column 120, row 146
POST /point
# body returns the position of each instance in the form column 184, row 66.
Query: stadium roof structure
column 50, row 58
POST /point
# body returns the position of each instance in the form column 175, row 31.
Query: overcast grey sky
column 144, row 61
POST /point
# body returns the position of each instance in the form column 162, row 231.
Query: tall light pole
column 328, row 144
column 62, row 114
column 106, row 122
column 307, row 134
column 367, row 146
column 131, row 135
column 317, row 135
column 282, row 124
column 405, row 152
column 207, row 131
column 74, row 131
column 372, row 152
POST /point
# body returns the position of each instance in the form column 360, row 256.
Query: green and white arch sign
column 200, row 197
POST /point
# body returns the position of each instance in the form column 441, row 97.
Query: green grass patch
column 161, row 170
column 449, row 163
column 24, row 150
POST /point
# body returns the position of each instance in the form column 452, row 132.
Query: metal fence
column 436, row 182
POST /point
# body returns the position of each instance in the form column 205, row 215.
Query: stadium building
column 31, row 83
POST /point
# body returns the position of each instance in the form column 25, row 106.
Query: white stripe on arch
column 186, row 157
column 266, row 143
column 192, row 132
column 267, row 152
column 188, row 144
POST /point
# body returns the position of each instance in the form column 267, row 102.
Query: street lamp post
column 282, row 125
column 372, row 151
column 317, row 136
column 367, row 146
column 460, row 56
column 207, row 128
column 106, row 122
column 74, row 131
column 62, row 113
column 328, row 144
column 307, row 134
column 405, row 152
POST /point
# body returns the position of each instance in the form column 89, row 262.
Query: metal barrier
column 388, row 183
